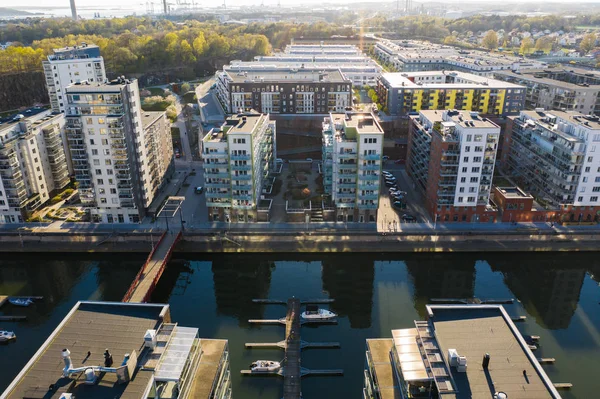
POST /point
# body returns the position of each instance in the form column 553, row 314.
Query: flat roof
column 94, row 327
column 528, row 75
column 574, row 118
column 87, row 87
column 407, row 80
column 513, row 192
column 379, row 351
column 465, row 119
column 363, row 122
column 292, row 76
column 243, row 124
column 149, row 117
column 35, row 116
column 212, row 352
column 474, row 330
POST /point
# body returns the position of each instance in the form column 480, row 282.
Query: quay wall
column 301, row 242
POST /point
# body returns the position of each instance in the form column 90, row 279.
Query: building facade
column 70, row 65
column 352, row 159
column 553, row 155
column 451, row 158
column 121, row 155
column 33, row 164
column 238, row 158
column 558, row 88
column 405, row 93
column 289, row 91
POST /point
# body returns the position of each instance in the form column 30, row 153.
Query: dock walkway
column 148, row 276
column 291, row 360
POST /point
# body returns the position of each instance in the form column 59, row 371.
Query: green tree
column 450, row 40
column 490, row 40
column 588, row 43
column 526, row 45
column 199, row 44
column 185, row 87
column 544, row 44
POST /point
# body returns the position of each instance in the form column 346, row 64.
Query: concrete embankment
column 300, row 242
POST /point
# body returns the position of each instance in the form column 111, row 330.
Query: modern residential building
column 405, row 93
column 347, row 50
column 554, row 156
column 360, row 69
column 238, row 158
column 451, row 158
column 124, row 350
column 284, row 91
column 558, row 88
column 70, row 65
column 417, row 56
column 33, row 164
column 121, row 155
column 352, row 156
column 460, row 351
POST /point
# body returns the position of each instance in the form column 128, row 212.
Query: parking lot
column 389, row 218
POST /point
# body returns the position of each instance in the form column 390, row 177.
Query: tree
column 199, row 44
column 185, row 87
column 526, row 45
column 544, row 44
column 450, row 40
column 490, row 40
column 588, row 43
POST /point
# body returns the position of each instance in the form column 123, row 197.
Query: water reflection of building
column 547, row 290
column 351, row 285
column 237, row 281
column 441, row 278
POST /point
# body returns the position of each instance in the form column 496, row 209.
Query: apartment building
column 406, row 93
column 70, row 65
column 360, row 69
column 451, row 157
column 284, row 91
column 417, row 56
column 121, row 155
column 238, row 157
column 33, row 164
column 554, row 156
column 352, row 156
column 558, row 88
column 347, row 50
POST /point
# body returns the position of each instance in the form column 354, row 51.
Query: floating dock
column 291, row 369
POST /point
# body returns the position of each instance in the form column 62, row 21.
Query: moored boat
column 6, row 336
column 20, row 301
column 265, row 365
column 314, row 313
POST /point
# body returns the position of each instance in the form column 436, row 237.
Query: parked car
column 199, row 190
column 408, row 218
column 387, row 174
column 389, row 183
column 385, row 158
column 399, row 205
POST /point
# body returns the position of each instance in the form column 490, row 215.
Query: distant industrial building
column 451, row 157
column 124, row 350
column 33, row 164
column 460, row 352
column 121, row 155
column 238, row 159
column 406, row 93
column 553, row 156
column 352, row 159
column 284, row 91
column 564, row 89
column 70, row 65
column 418, row 56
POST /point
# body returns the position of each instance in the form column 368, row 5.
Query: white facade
column 352, row 159
column 237, row 159
column 71, row 65
column 113, row 155
column 32, row 164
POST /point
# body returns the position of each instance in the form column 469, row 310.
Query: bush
column 67, row 192
column 56, row 199
column 172, row 113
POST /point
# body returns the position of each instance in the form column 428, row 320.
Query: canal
column 559, row 294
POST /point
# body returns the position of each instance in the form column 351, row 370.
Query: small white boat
column 314, row 313
column 20, row 301
column 265, row 365
column 6, row 336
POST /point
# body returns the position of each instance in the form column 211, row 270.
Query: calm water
column 558, row 293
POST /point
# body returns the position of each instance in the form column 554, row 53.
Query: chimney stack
column 73, row 10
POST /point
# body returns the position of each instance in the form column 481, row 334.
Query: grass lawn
column 156, row 91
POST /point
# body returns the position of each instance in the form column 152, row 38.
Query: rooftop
column 149, row 117
column 530, row 75
column 573, row 118
column 443, row 80
column 513, row 192
column 474, row 330
column 114, row 86
column 379, row 352
column 292, row 75
column 237, row 124
column 35, row 116
column 464, row 119
column 93, row 327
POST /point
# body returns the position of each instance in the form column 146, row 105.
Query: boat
column 6, row 336
column 314, row 313
column 20, row 301
column 265, row 365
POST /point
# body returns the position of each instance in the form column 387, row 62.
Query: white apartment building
column 322, row 49
column 121, row 155
column 238, row 157
column 352, row 159
column 70, row 65
column 556, row 156
column 33, row 164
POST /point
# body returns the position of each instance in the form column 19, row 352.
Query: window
column 469, row 137
column 96, row 162
column 463, row 179
column 477, row 159
column 466, row 159
column 596, row 189
column 597, row 180
column 587, row 169
column 98, row 171
column 472, row 189
column 464, row 169
column 461, row 190
column 478, row 137
column 101, row 191
column 475, row 170
column 460, row 199
column 468, row 149
column 585, row 179
column 102, row 200
column 474, row 179
column 100, row 181
column 593, row 199
column 113, row 190
column 478, row 149
column 590, row 159
column 471, row 199
column 108, row 162
column 580, row 199
column 94, row 151
column 104, row 141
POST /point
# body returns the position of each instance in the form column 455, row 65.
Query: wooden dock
column 3, row 299
column 291, row 368
column 13, row 318
column 473, row 301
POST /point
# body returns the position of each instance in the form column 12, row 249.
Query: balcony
column 241, row 167
column 217, row 175
column 345, row 195
column 244, row 157
column 368, row 206
column 241, row 177
column 363, row 186
column 371, row 157
column 347, row 155
column 368, row 177
column 369, row 167
column 368, row 197
column 218, row 185
column 242, row 187
column 242, row 197
column 346, row 185
column 349, row 166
